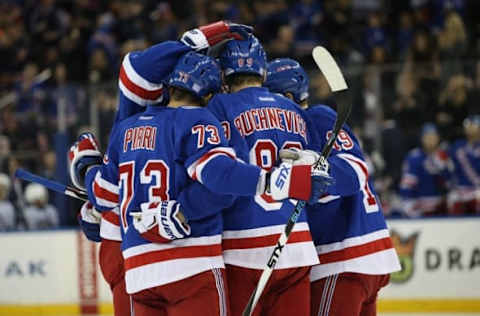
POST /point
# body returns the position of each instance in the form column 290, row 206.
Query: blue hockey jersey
column 258, row 124
column 466, row 171
column 140, row 83
column 349, row 230
column 154, row 155
column 424, row 181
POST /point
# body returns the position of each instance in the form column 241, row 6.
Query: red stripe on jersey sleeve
column 104, row 194
column 356, row 251
column 207, row 156
column 136, row 89
column 264, row 241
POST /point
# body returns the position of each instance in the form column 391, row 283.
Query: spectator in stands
column 282, row 45
column 107, row 106
column 100, row 69
column 465, row 195
column 5, row 153
column 22, row 134
column 7, row 211
column 31, row 94
column 67, row 94
column 39, row 214
column 166, row 23
column 410, row 107
column 374, row 34
column 270, row 16
column 404, row 35
column 305, row 18
column 452, row 41
column 104, row 39
column 455, row 103
column 425, row 176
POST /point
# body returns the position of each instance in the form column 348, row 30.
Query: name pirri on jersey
column 270, row 118
column 141, row 137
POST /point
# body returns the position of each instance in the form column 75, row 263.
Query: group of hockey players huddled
column 211, row 148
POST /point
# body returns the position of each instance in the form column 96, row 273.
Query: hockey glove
column 320, row 177
column 321, row 180
column 161, row 221
column 289, row 182
column 89, row 222
column 208, row 35
column 299, row 157
column 83, row 155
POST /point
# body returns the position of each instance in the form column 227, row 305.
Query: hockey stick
column 52, row 185
column 337, row 83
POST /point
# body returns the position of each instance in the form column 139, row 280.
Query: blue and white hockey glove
column 83, row 154
column 89, row 222
column 208, row 35
column 161, row 221
column 320, row 177
column 321, row 180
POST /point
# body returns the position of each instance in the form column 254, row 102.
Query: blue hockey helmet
column 243, row 56
column 196, row 73
column 287, row 75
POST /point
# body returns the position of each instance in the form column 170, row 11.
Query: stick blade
column 329, row 68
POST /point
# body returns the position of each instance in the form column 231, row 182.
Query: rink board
column 56, row 272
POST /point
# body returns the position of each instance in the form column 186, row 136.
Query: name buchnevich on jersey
column 140, row 137
column 271, row 118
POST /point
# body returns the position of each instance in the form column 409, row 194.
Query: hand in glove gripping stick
column 321, row 179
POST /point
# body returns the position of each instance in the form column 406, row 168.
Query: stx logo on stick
column 272, row 261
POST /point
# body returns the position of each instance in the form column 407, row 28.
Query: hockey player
column 465, row 154
column 39, row 214
column 140, row 84
column 156, row 153
column 351, row 237
column 257, row 125
column 425, row 176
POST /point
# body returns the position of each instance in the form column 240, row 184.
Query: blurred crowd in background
column 407, row 63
